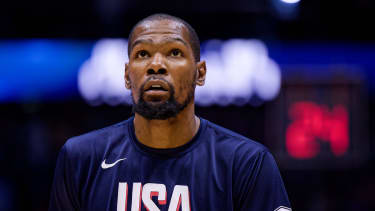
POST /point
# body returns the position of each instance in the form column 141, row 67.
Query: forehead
column 159, row 30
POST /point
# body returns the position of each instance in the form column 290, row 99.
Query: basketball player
column 165, row 157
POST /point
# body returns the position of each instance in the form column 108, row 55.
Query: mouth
column 156, row 86
column 156, row 90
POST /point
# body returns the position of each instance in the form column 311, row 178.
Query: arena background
column 311, row 101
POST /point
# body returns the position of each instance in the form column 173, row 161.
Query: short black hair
column 193, row 37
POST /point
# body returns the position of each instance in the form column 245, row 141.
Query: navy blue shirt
column 110, row 170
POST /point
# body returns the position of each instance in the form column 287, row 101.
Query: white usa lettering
column 179, row 200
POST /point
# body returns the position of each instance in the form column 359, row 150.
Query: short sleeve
column 64, row 190
column 258, row 184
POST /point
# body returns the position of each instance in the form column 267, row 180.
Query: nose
column 160, row 71
column 157, row 65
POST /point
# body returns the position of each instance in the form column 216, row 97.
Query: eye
column 142, row 54
column 176, row 52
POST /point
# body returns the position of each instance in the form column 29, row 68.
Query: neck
column 169, row 133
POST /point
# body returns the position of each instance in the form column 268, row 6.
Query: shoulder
column 231, row 141
column 243, row 154
column 89, row 143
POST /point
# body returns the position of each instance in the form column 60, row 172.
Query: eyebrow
column 167, row 40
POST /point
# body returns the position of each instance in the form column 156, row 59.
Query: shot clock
column 319, row 122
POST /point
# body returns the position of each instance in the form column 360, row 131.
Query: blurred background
column 296, row 76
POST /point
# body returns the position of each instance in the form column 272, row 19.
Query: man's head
column 164, row 66
column 193, row 37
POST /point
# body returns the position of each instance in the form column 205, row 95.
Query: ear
column 126, row 76
column 201, row 73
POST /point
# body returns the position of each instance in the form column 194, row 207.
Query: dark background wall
column 33, row 130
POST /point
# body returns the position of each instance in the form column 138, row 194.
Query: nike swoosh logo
column 105, row 165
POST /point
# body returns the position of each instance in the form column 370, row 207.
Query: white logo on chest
column 105, row 165
column 282, row 208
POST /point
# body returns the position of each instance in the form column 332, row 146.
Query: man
column 165, row 157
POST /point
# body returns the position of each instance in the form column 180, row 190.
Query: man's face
column 161, row 72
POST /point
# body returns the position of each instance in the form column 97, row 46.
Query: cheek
column 187, row 81
column 136, row 73
column 185, row 85
column 135, row 82
column 184, row 75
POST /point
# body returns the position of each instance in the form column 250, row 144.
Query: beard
column 162, row 110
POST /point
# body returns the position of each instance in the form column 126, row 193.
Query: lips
column 156, row 85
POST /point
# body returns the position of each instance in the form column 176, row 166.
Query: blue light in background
column 47, row 69
column 40, row 68
column 322, row 53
